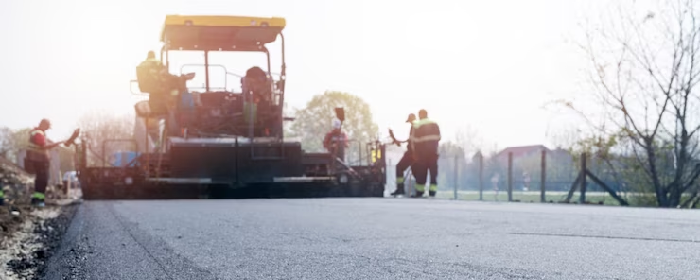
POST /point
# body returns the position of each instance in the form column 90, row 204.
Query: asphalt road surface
column 375, row 239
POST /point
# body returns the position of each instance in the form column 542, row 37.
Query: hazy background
column 489, row 65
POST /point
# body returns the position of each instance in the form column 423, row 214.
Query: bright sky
column 490, row 65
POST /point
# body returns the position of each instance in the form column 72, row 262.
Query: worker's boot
column 400, row 190
column 37, row 202
column 432, row 194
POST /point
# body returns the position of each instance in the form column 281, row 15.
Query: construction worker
column 166, row 91
column 425, row 139
column 336, row 141
column 154, row 78
column 406, row 159
column 37, row 160
column 256, row 96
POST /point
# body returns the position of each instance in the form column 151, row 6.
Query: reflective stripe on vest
column 154, row 67
column 425, row 136
column 425, row 130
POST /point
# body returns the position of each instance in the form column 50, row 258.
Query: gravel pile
column 29, row 237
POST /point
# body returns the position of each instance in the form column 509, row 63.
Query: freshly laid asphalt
column 375, row 239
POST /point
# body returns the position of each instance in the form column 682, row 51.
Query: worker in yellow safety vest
column 37, row 160
column 154, row 79
column 164, row 89
column 425, row 139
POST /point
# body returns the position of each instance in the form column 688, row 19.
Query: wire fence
column 534, row 175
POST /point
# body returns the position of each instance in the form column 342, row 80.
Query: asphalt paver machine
column 220, row 143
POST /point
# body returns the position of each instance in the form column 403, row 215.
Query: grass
column 553, row 196
column 637, row 200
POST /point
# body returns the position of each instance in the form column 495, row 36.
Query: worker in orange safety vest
column 37, row 160
column 336, row 141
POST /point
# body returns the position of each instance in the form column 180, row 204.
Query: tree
column 288, row 111
column 469, row 139
column 100, row 126
column 493, row 167
column 644, row 68
column 314, row 121
column 451, row 159
column 67, row 156
column 12, row 142
column 565, row 138
column 7, row 144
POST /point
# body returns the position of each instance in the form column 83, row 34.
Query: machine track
column 214, row 191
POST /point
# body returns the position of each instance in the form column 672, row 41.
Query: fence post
column 543, row 176
column 582, row 199
column 481, row 176
column 455, row 175
column 510, row 176
column 389, row 176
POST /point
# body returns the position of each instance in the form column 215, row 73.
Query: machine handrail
column 234, row 74
column 131, row 88
column 204, row 65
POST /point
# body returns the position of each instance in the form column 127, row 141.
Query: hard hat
column 336, row 124
column 411, row 117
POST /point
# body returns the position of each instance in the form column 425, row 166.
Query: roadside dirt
column 9, row 222
column 30, row 236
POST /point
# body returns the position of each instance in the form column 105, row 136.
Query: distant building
column 520, row 152
column 561, row 155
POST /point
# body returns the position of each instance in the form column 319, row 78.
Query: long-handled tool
column 71, row 140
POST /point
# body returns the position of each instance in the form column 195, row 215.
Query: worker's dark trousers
column 421, row 169
column 157, row 103
column 41, row 170
column 339, row 151
column 401, row 167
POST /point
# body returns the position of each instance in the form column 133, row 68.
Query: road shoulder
column 30, row 236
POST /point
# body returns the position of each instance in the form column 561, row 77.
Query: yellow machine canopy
column 229, row 33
